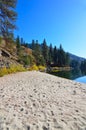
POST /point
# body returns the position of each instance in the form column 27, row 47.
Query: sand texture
column 39, row 101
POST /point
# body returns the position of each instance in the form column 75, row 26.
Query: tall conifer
column 7, row 17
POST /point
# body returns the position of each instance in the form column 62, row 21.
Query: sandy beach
column 39, row 101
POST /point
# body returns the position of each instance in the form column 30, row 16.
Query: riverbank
column 39, row 101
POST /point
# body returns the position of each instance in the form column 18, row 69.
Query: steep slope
column 9, row 53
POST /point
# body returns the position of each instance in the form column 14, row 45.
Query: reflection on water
column 73, row 74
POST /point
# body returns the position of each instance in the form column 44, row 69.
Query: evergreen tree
column 33, row 45
column 37, row 53
column 67, row 60
column 18, row 45
column 50, row 53
column 83, row 66
column 22, row 41
column 55, row 56
column 61, row 56
column 75, row 64
column 7, row 17
column 45, row 51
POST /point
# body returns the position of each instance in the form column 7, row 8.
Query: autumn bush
column 11, row 69
column 37, row 68
column 20, row 68
column 33, row 67
column 3, row 71
column 42, row 68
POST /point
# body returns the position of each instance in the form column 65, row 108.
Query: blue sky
column 58, row 21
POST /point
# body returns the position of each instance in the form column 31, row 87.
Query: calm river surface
column 76, row 75
column 81, row 79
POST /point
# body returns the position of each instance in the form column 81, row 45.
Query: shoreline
column 40, row 101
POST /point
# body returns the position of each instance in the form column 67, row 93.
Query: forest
column 44, row 54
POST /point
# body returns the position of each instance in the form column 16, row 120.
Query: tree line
column 44, row 54
column 78, row 65
column 49, row 55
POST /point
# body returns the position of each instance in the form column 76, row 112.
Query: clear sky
column 58, row 21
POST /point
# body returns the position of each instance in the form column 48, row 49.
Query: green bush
column 26, row 60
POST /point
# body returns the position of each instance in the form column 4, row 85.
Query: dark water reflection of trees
column 73, row 74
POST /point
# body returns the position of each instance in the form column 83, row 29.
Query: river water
column 81, row 79
column 76, row 75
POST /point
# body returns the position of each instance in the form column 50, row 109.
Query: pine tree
column 50, row 53
column 61, row 56
column 45, row 51
column 67, row 60
column 22, row 41
column 7, row 17
column 18, row 45
column 55, row 56
column 33, row 45
column 37, row 53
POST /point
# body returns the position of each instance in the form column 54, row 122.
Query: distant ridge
column 77, row 58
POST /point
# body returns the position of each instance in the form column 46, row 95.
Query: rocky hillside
column 9, row 53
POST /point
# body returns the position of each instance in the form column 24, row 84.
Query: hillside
column 13, row 52
column 9, row 53
column 77, row 58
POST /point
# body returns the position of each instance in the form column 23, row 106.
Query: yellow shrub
column 20, row 68
column 3, row 71
column 12, row 69
column 34, row 67
column 42, row 68
column 16, row 68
